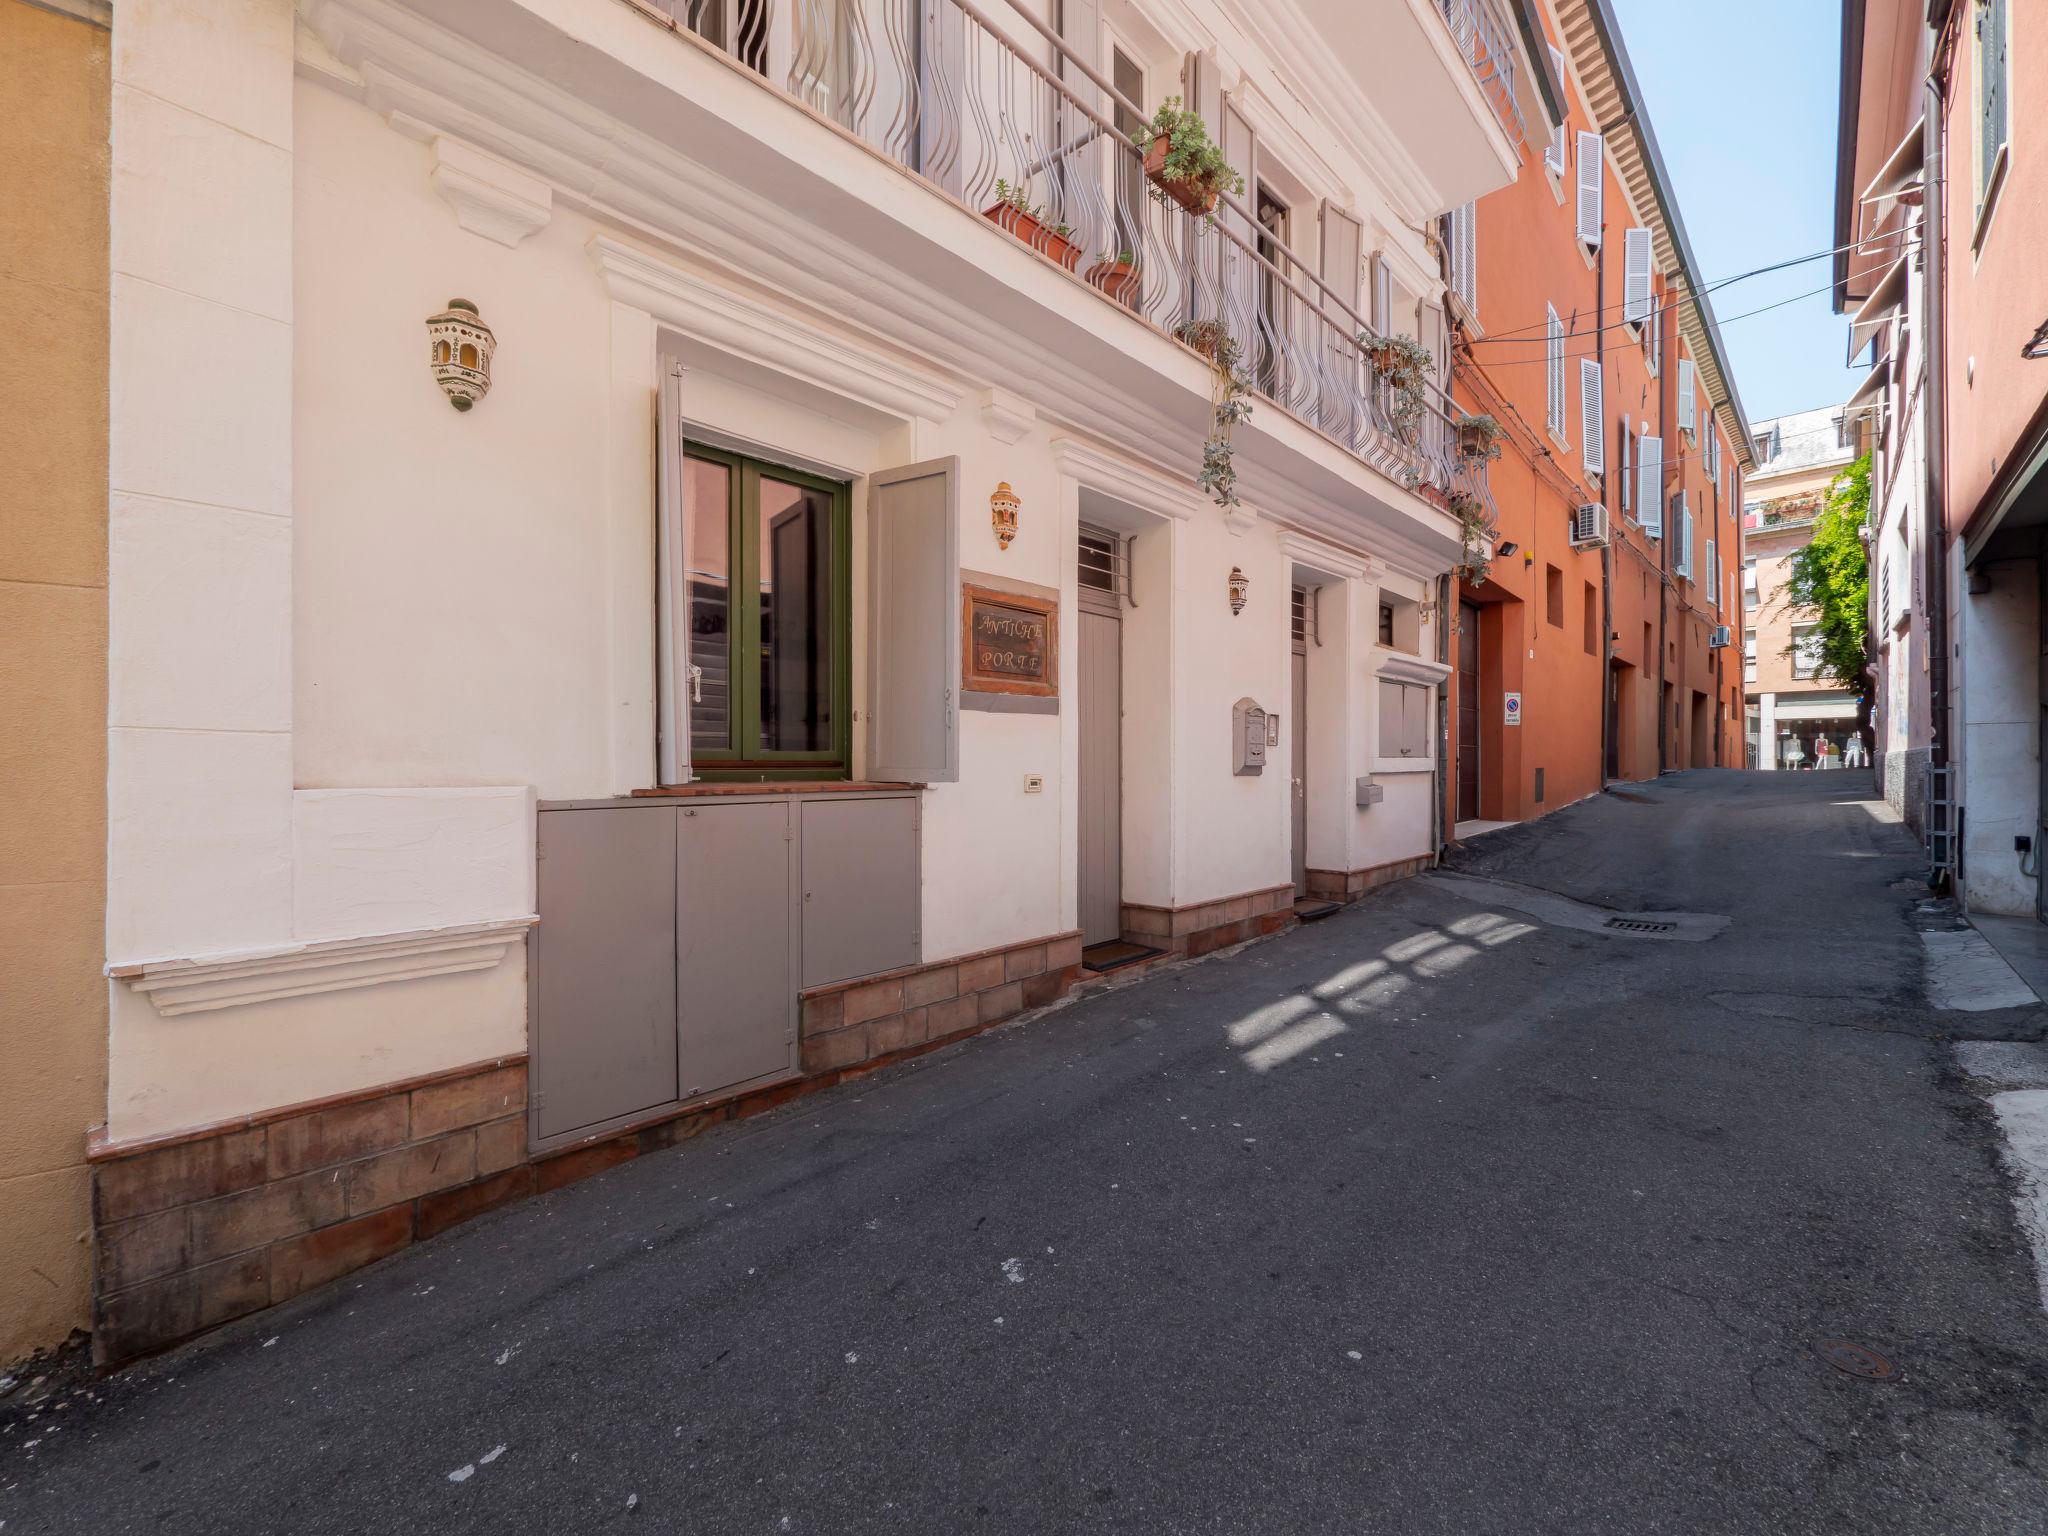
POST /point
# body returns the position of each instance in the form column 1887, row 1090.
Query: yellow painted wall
column 54, row 73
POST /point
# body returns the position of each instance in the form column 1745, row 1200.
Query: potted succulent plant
column 1405, row 366
column 1117, row 276
column 1183, row 162
column 1211, row 339
column 1474, row 560
column 1013, row 211
column 1479, row 437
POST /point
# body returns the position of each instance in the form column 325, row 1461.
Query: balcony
column 988, row 106
column 1447, row 81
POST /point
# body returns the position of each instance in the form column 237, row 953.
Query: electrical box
column 1369, row 793
column 1248, row 737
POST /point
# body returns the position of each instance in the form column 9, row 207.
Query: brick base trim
column 860, row 1021
column 198, row 1228
column 1205, row 926
column 1350, row 884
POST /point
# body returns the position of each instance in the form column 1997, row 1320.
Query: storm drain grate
column 1639, row 925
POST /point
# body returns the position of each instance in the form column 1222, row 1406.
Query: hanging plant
column 1474, row 533
column 1183, row 163
column 1406, row 366
column 1479, row 437
column 1228, row 405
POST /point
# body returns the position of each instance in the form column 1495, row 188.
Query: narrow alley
column 1459, row 1211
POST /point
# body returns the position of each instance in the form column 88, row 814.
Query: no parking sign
column 1514, row 709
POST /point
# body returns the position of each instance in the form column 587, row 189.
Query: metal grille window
column 1307, row 606
column 1103, row 563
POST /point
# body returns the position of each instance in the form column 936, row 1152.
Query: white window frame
column 1554, row 372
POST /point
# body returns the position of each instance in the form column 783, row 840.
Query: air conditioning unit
column 1719, row 638
column 1589, row 525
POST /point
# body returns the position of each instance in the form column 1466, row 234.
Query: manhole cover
column 1640, row 925
column 1855, row 1359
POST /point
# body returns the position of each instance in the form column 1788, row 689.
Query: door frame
column 1098, row 603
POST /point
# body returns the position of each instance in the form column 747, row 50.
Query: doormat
column 1114, row 955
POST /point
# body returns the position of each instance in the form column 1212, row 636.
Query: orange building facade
column 1597, row 646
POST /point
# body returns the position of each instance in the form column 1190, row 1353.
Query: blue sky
column 1742, row 95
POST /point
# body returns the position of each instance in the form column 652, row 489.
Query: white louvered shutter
column 1713, row 582
column 1382, row 295
column 1592, row 161
column 1688, row 416
column 1554, row 155
column 1650, row 494
column 1553, row 354
column 1625, row 471
column 1591, row 416
column 1635, row 276
column 1465, row 255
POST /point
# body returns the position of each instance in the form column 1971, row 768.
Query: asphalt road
column 1426, row 1218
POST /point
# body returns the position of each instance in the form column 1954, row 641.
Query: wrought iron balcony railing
column 1002, row 118
column 1487, row 39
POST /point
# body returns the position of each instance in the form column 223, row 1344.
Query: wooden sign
column 1011, row 643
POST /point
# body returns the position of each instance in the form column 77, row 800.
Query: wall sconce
column 461, row 347
column 1003, row 508
column 1426, row 609
column 1240, row 587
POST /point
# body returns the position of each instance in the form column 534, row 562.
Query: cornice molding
column 731, row 320
column 1327, row 557
column 206, row 984
column 490, row 198
column 1148, row 488
column 1401, row 668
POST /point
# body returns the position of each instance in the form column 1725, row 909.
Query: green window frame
column 748, row 654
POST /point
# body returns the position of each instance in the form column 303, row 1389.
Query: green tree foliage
column 1831, row 578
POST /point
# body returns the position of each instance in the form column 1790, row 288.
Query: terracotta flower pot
column 1472, row 440
column 1034, row 232
column 1118, row 279
column 1195, row 196
column 1205, row 336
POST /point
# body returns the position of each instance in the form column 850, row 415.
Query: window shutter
column 1625, row 470
column 671, row 576
column 1081, row 30
column 1343, row 244
column 1592, row 416
column 1204, row 82
column 1554, row 155
column 1687, row 413
column 1991, row 84
column 1554, row 358
column 1382, row 316
column 1653, row 333
column 1592, row 160
column 1714, row 575
column 1635, row 276
column 1244, row 280
column 1650, row 494
column 1464, row 253
column 914, row 623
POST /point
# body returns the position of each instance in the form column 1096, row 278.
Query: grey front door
column 1300, row 770
column 1100, row 867
column 735, row 924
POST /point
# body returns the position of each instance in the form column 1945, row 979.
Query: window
column 1635, row 276
column 1591, row 188
column 1688, row 402
column 1554, row 155
column 766, row 551
column 1592, row 620
column 1387, row 625
column 1553, row 595
column 1805, row 651
column 1749, row 589
column 1553, row 356
column 1762, row 444
column 1592, row 415
column 1845, row 431
column 1653, row 335
column 1625, row 469
column 1129, row 80
column 1993, row 111
column 1464, row 246
column 1713, row 581
column 1650, row 494
column 1404, row 719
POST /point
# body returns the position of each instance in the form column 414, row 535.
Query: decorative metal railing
column 1488, row 41
column 999, row 115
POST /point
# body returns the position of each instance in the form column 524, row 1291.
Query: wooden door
column 1100, row 867
column 1469, row 716
column 1299, row 767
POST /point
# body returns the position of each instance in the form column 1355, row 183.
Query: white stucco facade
column 358, row 636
